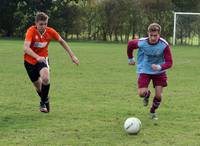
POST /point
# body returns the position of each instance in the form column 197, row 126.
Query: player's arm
column 168, row 60
column 69, row 51
column 30, row 52
column 58, row 38
column 131, row 46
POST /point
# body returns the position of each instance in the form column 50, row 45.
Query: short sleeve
column 54, row 34
column 29, row 35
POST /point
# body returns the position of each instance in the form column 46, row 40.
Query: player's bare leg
column 38, row 85
column 45, row 85
column 144, row 93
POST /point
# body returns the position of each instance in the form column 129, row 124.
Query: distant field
column 91, row 102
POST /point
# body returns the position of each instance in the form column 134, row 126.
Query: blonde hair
column 154, row 27
column 41, row 16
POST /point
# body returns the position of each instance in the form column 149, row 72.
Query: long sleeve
column 133, row 44
column 168, row 59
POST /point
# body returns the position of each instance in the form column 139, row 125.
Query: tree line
column 107, row 20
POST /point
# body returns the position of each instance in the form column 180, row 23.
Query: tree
column 7, row 19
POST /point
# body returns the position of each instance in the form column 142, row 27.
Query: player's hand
column 155, row 67
column 131, row 63
column 75, row 60
column 41, row 59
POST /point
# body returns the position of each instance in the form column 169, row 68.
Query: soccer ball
column 132, row 125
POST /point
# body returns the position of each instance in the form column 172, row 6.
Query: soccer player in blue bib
column 153, row 59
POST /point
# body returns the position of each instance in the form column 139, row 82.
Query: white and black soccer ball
column 132, row 125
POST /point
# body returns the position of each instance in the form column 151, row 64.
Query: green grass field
column 90, row 103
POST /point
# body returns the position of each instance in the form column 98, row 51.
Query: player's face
column 41, row 25
column 153, row 37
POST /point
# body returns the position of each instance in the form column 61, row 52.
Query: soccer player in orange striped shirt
column 36, row 44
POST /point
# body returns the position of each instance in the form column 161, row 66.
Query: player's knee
column 45, row 80
column 141, row 93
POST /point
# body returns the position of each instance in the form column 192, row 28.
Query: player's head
column 154, row 31
column 41, row 21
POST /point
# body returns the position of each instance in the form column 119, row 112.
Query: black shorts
column 34, row 70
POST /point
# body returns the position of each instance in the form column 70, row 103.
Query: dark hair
column 154, row 27
column 41, row 16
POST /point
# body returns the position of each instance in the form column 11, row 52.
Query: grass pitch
column 90, row 102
